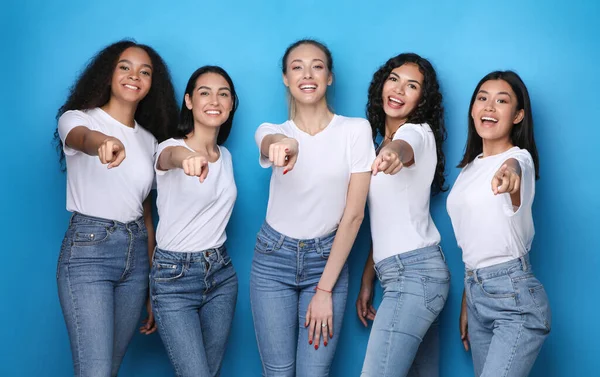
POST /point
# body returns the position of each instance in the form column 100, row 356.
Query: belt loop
column 188, row 259
column 442, row 253
column 72, row 217
column 475, row 277
column 524, row 263
column 399, row 262
column 280, row 242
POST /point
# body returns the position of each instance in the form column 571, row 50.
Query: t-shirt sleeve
column 262, row 131
column 69, row 120
column 161, row 147
column 527, row 178
column 363, row 150
column 414, row 135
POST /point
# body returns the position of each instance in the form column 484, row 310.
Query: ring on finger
column 323, row 325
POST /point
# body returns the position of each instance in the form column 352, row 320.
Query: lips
column 212, row 112
column 308, row 88
column 488, row 121
column 394, row 102
column 131, row 87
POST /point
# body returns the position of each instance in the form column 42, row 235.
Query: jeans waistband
column 521, row 263
column 196, row 256
column 283, row 240
column 78, row 218
column 411, row 257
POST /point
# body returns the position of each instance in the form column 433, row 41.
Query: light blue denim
column 404, row 340
column 193, row 301
column 509, row 318
column 285, row 272
column 102, row 285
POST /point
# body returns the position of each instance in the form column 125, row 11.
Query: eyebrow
column 506, row 93
column 415, row 81
column 127, row 61
column 300, row 61
column 207, row 88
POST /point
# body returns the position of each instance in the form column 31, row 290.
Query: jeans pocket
column 498, row 287
column 435, row 289
column 263, row 245
column 166, row 271
column 88, row 235
column 540, row 299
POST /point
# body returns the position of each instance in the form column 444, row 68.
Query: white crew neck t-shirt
column 92, row 188
column 487, row 228
column 309, row 201
column 399, row 204
column 193, row 215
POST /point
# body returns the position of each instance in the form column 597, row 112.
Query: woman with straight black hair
column 193, row 284
column 104, row 261
column 505, row 315
column 405, row 109
column 320, row 178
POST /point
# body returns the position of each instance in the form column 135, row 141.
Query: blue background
column 554, row 45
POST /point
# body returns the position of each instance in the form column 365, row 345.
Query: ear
column 285, row 80
column 519, row 116
column 188, row 101
column 330, row 79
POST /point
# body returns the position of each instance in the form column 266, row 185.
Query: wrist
column 323, row 290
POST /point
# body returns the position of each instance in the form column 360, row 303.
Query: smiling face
column 307, row 75
column 211, row 101
column 401, row 92
column 495, row 110
column 132, row 77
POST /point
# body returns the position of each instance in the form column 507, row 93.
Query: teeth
column 302, row 87
column 131, row 87
column 396, row 100
column 489, row 119
column 212, row 112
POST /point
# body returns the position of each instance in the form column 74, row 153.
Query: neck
column 392, row 125
column 312, row 118
column 203, row 139
column 496, row 146
column 124, row 112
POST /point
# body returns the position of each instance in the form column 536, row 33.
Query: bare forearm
column 344, row 240
column 267, row 141
column 172, row 158
column 150, row 227
column 403, row 150
column 514, row 165
column 85, row 140
column 369, row 272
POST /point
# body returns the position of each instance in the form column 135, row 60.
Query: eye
column 204, row 93
column 500, row 100
column 145, row 73
column 482, row 98
column 318, row 67
column 392, row 78
column 124, row 67
column 295, row 68
column 224, row 94
column 412, row 86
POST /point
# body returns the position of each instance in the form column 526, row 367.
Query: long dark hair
column 521, row 134
column 156, row 112
column 186, row 117
column 313, row 42
column 429, row 110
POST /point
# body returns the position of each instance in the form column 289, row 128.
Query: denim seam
column 129, row 256
column 166, row 340
column 396, row 310
column 264, row 368
column 75, row 311
column 514, row 350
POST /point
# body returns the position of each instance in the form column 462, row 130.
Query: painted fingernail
column 316, row 346
column 330, row 336
column 287, row 149
column 285, row 172
column 310, row 342
column 325, row 344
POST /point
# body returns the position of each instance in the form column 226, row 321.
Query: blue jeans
column 404, row 340
column 509, row 318
column 193, row 301
column 285, row 272
column 102, row 285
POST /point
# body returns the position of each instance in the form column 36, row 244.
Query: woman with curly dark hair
column 405, row 108
column 104, row 261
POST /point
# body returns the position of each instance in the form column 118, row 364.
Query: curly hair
column 429, row 110
column 156, row 112
column 186, row 116
column 521, row 134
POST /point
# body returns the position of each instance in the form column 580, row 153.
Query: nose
column 308, row 74
column 214, row 100
column 399, row 89
column 134, row 76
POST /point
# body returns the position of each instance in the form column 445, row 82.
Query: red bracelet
column 321, row 289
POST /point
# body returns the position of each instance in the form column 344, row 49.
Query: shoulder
column 170, row 143
column 352, row 122
column 75, row 115
column 225, row 152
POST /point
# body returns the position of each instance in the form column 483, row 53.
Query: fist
column 195, row 165
column 111, row 152
column 387, row 161
column 284, row 153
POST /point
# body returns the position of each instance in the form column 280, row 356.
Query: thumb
column 204, row 172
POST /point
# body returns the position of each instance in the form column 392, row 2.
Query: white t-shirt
column 92, row 188
column 487, row 228
column 193, row 215
column 399, row 204
column 309, row 201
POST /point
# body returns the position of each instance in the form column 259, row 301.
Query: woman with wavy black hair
column 505, row 315
column 103, row 265
column 405, row 108
column 193, row 284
